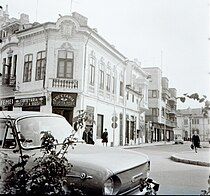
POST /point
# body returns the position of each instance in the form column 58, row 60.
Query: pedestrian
column 90, row 137
column 104, row 137
column 196, row 141
column 85, row 135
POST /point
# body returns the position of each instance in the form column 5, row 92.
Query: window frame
column 27, row 64
column 92, row 67
column 40, row 65
column 66, row 60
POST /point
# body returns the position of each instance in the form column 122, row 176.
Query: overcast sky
column 142, row 29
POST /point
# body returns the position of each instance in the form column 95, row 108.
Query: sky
column 142, row 29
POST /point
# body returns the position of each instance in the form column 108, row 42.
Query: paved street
column 174, row 177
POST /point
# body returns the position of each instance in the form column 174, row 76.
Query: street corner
column 201, row 158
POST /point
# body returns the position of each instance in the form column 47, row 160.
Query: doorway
column 67, row 113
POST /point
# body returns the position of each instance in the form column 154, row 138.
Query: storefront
column 6, row 104
column 63, row 104
column 30, row 104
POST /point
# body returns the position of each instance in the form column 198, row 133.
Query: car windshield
column 31, row 129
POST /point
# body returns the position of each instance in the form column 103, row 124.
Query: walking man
column 196, row 141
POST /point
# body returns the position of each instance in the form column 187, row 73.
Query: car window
column 31, row 129
column 7, row 139
column 2, row 130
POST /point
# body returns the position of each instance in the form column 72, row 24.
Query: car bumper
column 147, row 186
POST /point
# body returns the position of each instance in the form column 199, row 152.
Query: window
column 163, row 111
column 108, row 81
column 113, row 85
column 127, row 95
column 197, row 121
column 40, row 65
column 185, row 121
column 92, row 71
column 155, row 112
column 101, row 80
column 121, row 89
column 27, row 67
column 132, row 97
column 65, row 64
column 14, row 65
column 154, row 93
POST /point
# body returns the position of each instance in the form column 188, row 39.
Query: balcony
column 9, row 80
column 171, row 123
column 172, row 112
column 61, row 84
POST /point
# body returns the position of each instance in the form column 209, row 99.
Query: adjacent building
column 66, row 67
column 191, row 120
column 161, row 116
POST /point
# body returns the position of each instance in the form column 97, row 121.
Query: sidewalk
column 146, row 144
column 201, row 158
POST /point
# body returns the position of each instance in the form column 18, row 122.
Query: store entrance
column 67, row 113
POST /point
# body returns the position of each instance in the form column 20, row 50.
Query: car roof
column 21, row 114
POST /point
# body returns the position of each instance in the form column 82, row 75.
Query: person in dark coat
column 90, row 137
column 87, row 136
column 196, row 141
column 104, row 137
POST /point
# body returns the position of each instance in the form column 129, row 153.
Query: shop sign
column 64, row 99
column 6, row 101
column 32, row 101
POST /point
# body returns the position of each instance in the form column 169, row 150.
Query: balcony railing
column 64, row 83
column 9, row 80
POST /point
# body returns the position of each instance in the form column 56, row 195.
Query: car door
column 9, row 153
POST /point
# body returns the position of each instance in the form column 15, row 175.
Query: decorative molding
column 66, row 46
column 67, row 29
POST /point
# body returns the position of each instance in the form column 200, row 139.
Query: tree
column 200, row 99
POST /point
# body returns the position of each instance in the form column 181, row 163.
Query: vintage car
column 96, row 170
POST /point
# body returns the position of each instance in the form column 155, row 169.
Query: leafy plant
column 47, row 176
column 200, row 99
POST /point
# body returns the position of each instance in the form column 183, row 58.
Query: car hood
column 114, row 159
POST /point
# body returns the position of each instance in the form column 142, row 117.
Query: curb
column 200, row 163
column 141, row 146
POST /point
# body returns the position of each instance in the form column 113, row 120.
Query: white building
column 161, row 116
column 191, row 120
column 65, row 67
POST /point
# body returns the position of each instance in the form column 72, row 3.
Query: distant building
column 65, row 67
column 161, row 116
column 191, row 120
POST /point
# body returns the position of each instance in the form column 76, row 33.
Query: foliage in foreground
column 47, row 176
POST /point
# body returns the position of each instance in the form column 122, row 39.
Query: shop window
column 40, row 65
column 27, row 67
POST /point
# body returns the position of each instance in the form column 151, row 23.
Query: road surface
column 175, row 178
